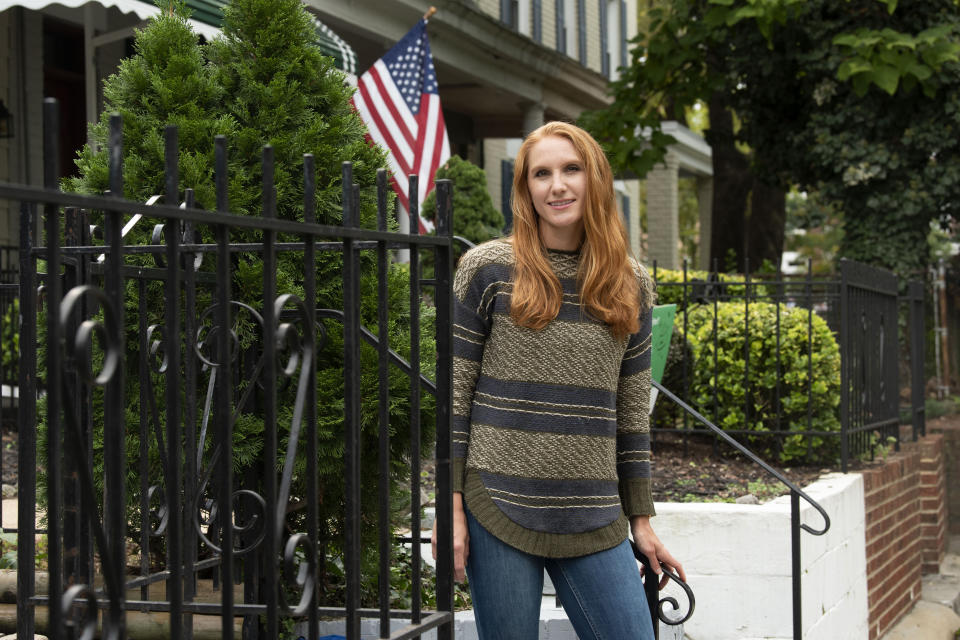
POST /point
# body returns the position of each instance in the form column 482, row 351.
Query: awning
column 206, row 18
column 142, row 10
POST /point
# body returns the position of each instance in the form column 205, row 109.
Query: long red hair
column 606, row 279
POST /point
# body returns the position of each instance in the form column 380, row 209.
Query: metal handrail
column 795, row 494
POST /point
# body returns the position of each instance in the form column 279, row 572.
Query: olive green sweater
column 551, row 436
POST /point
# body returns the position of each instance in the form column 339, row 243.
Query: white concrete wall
column 738, row 563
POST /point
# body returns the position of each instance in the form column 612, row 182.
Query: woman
column 551, row 394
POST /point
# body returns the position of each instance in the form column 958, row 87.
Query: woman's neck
column 561, row 241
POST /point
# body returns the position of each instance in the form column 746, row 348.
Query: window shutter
column 625, row 207
column 623, row 34
column 506, row 186
column 561, row 27
column 506, row 15
column 604, row 40
column 538, row 21
column 582, row 30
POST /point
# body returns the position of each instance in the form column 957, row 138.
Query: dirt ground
column 694, row 472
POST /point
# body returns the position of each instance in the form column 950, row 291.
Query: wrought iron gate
column 198, row 363
column 869, row 393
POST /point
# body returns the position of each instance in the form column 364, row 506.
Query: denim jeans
column 602, row 593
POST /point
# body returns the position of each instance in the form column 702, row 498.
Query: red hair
column 607, row 280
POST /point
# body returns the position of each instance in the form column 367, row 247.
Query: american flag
column 398, row 101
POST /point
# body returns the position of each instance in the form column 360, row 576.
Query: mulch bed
column 695, row 472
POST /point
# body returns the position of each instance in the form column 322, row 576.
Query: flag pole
column 429, row 13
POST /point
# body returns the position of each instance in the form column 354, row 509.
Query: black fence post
column 918, row 417
column 444, row 301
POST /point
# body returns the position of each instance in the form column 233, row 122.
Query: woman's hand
column 461, row 539
column 650, row 545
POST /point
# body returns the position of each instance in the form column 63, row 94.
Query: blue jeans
column 602, row 593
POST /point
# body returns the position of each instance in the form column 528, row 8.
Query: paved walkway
column 937, row 615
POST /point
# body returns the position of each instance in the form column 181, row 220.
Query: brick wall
column 933, row 503
column 905, row 528
column 951, row 464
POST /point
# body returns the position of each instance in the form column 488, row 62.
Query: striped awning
column 211, row 13
column 206, row 18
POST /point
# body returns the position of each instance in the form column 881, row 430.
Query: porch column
column 533, row 117
column 663, row 221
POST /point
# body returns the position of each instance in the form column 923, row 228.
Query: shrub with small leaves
column 777, row 394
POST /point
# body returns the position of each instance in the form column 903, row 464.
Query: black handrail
column 795, row 494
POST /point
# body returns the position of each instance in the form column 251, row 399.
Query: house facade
column 504, row 68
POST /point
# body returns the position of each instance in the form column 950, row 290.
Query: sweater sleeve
column 633, row 423
column 471, row 326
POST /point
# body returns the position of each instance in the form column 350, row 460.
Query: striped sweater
column 551, row 438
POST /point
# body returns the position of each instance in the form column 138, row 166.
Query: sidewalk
column 937, row 615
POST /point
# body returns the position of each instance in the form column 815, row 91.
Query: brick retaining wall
column 951, row 463
column 905, row 499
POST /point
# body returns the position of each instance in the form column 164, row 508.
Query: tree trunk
column 731, row 186
column 749, row 217
column 766, row 225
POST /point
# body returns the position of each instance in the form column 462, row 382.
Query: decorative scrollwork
column 157, row 349
column 216, row 517
column 80, row 598
column 289, row 337
column 80, row 349
column 299, row 569
column 662, row 602
column 205, row 344
column 159, row 514
column 301, row 356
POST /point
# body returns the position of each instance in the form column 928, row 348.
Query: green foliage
column 8, row 551
column 673, row 292
column 264, row 82
column 475, row 218
column 858, row 101
column 797, row 389
column 10, row 340
column 165, row 82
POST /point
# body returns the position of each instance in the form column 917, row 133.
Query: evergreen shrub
column 703, row 283
column 475, row 218
column 796, row 389
column 262, row 82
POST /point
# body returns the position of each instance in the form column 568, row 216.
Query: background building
column 504, row 67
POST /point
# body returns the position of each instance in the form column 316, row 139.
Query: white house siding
column 549, row 23
column 490, row 7
column 593, row 34
column 494, row 150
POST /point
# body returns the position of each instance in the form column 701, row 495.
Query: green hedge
column 796, row 391
column 673, row 292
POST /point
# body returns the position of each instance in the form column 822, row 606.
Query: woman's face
column 558, row 188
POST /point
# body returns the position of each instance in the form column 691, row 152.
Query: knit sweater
column 551, row 439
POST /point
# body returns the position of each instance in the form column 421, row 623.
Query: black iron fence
column 139, row 363
column 802, row 368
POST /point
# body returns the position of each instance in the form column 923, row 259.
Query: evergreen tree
column 475, row 218
column 165, row 82
column 265, row 83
